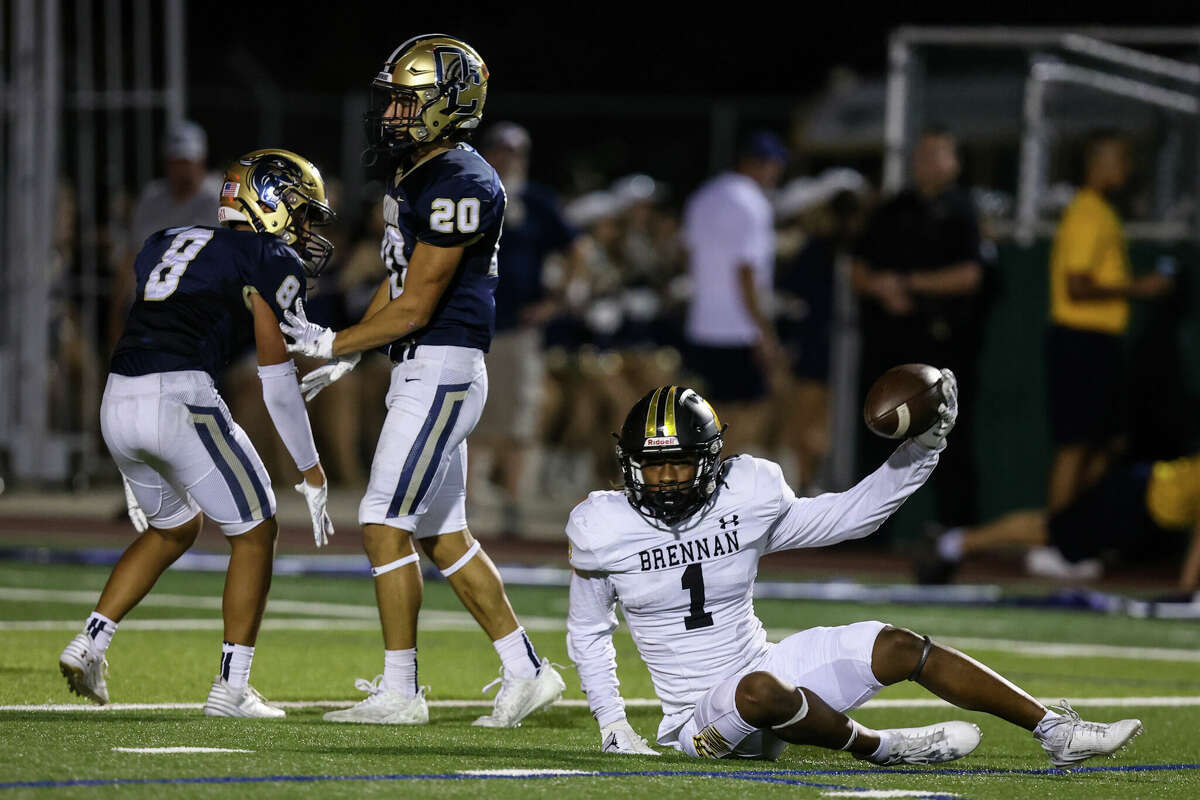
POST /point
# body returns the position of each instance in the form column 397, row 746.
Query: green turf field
column 321, row 634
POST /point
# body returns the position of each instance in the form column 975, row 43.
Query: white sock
column 101, row 629
column 950, row 544
column 235, row 664
column 885, row 746
column 517, row 655
column 400, row 671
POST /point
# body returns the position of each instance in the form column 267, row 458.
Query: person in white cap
column 186, row 195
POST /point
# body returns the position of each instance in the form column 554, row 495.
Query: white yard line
column 435, row 620
column 634, row 702
column 174, row 750
column 431, row 619
column 521, row 773
column 1068, row 650
column 889, row 793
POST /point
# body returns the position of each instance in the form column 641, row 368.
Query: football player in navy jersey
column 203, row 294
column 434, row 315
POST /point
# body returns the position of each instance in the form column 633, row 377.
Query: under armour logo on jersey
column 728, row 521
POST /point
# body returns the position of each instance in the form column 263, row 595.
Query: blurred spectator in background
column 730, row 239
column 919, row 272
column 805, row 290
column 1090, row 289
column 1130, row 507
column 534, row 228
column 186, row 195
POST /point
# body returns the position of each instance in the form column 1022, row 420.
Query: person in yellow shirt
column 1130, row 506
column 1090, row 289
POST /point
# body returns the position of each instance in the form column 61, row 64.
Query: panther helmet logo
column 271, row 179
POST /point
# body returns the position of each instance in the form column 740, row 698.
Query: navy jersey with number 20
column 192, row 308
column 453, row 199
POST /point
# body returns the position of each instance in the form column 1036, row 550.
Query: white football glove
column 935, row 437
column 312, row 383
column 619, row 737
column 317, row 497
column 136, row 515
column 310, row 339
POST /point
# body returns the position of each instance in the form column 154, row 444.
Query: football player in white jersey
column 678, row 549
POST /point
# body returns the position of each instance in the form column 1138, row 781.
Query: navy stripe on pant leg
column 418, row 447
column 235, row 488
column 238, row 491
column 438, row 450
column 247, row 464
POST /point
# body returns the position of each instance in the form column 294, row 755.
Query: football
column 904, row 401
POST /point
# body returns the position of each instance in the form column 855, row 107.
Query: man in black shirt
column 919, row 273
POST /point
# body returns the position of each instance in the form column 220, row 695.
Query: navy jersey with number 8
column 192, row 307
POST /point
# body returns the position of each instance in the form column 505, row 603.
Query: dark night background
column 605, row 89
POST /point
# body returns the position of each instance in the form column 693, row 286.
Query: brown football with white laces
column 904, row 401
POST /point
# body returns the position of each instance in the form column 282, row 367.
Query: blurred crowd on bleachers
column 739, row 287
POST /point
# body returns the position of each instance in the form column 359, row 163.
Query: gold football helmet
column 279, row 192
column 430, row 88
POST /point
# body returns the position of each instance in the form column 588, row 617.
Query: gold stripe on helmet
column 652, row 414
column 669, row 421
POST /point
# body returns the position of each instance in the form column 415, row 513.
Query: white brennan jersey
column 686, row 591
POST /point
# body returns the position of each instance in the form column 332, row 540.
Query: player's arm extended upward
column 429, row 273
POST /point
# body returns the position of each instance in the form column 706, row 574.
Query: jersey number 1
column 693, row 582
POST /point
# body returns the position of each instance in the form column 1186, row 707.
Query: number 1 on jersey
column 693, row 582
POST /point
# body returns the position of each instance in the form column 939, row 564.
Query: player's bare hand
column 620, row 737
column 308, row 338
column 317, row 498
column 313, row 382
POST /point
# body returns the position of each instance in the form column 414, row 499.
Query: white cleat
column 1068, row 740
column 520, row 697
column 226, row 701
column 931, row 744
column 383, row 707
column 85, row 670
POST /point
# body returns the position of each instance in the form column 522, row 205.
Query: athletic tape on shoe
column 397, row 564
column 457, row 565
column 801, row 714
